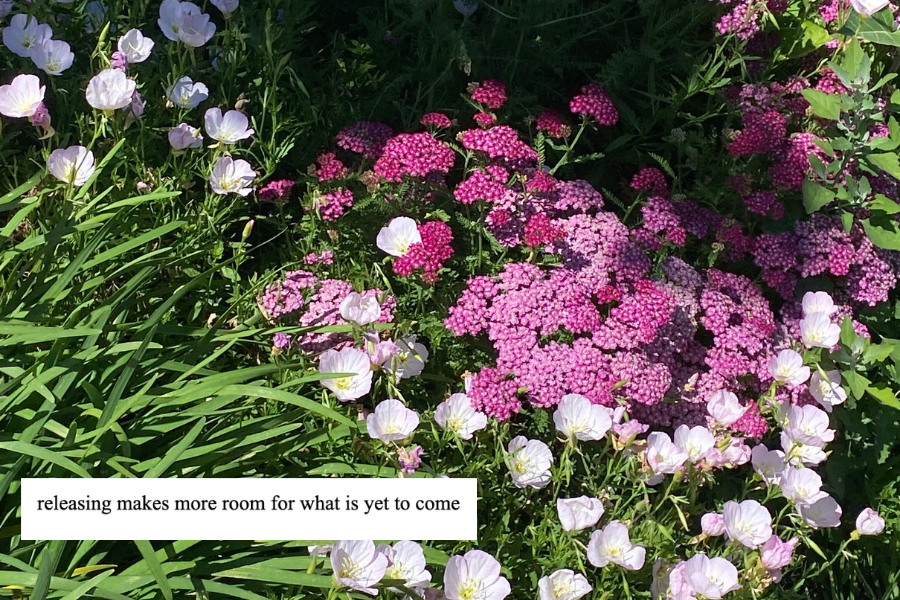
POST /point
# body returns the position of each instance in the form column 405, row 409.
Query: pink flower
column 776, row 554
column 869, row 522
column 711, row 577
column 580, row 513
column 748, row 522
column 613, row 545
column 491, row 93
column 712, row 524
column 824, row 512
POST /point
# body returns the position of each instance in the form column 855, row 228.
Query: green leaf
column 858, row 384
column 847, row 220
column 827, row 106
column 815, row 196
column 885, row 396
column 887, row 161
column 155, row 567
column 44, row 454
column 884, row 232
column 817, row 35
column 884, row 204
column 873, row 31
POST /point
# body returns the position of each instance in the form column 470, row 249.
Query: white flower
column 183, row 21
column 356, row 370
column 799, row 453
column 788, row 367
column 195, row 28
column 529, row 462
column 406, row 561
column 748, row 522
column 577, row 418
column 768, row 463
column 711, row 577
column 662, row 455
column 110, row 89
column 52, row 56
column 391, row 421
column 817, row 331
column 868, row 7
column 232, row 176
column 228, row 128
column 184, row 136
column 360, row 309
column 358, row 565
column 187, row 94
column 23, row 32
column 818, row 302
column 135, row 46
column 398, row 236
column 579, row 513
column 824, row 512
column 808, row 424
column 869, row 522
column 457, row 415
column 474, row 576
column 801, row 486
column 694, row 441
column 725, row 408
column 21, row 97
column 827, row 390
column 410, row 361
column 226, row 6
column 74, row 165
column 612, row 545
column 563, row 584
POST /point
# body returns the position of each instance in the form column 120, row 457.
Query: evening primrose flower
column 563, row 584
column 613, row 545
column 188, row 94
column 788, row 368
column 801, row 485
column 349, row 360
column 769, row 464
column 226, row 6
column 827, row 389
column 457, row 415
column 73, row 165
column 358, row 565
column 748, row 522
column 24, row 32
column 869, row 522
column 868, row 7
column 398, row 236
column 817, row 331
column 529, row 462
column 406, row 561
column 711, row 577
column 808, row 424
column 229, row 128
column 712, row 524
column 360, row 309
column 824, row 512
column 724, row 407
column 410, row 361
column 818, row 302
column 21, row 97
column 474, row 576
column 134, row 46
column 52, row 56
column 777, row 554
column 694, row 441
column 232, row 176
column 579, row 513
column 184, row 22
column 663, row 456
column 110, row 89
column 184, row 136
column 799, row 453
column 577, row 418
column 391, row 421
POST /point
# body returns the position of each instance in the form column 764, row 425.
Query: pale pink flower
column 725, row 408
column 52, row 56
column 869, row 522
column 808, row 424
column 818, row 302
column 457, row 415
column 579, row 513
column 134, row 46
column 410, row 361
column 474, row 576
column 226, row 6
column 711, row 577
column 398, row 236
column 529, row 462
column 358, row 565
column 391, row 421
column 184, row 136
column 712, row 524
column 406, row 561
column 748, row 522
column 827, row 389
column 769, row 464
column 788, row 368
column 694, row 441
column 24, row 32
column 74, row 165
column 663, row 456
column 563, row 584
column 22, row 97
column 188, row 94
column 613, row 545
column 868, row 7
column 824, row 512
column 577, row 418
column 231, row 176
column 801, row 486
column 354, row 370
column 229, row 128
column 776, row 554
column 360, row 309
column 110, row 89
column 817, row 331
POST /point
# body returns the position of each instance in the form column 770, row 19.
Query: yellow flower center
column 469, row 589
column 349, row 569
column 344, row 383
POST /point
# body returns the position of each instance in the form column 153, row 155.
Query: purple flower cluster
column 331, row 205
column 595, row 103
column 414, row 155
column 367, row 138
